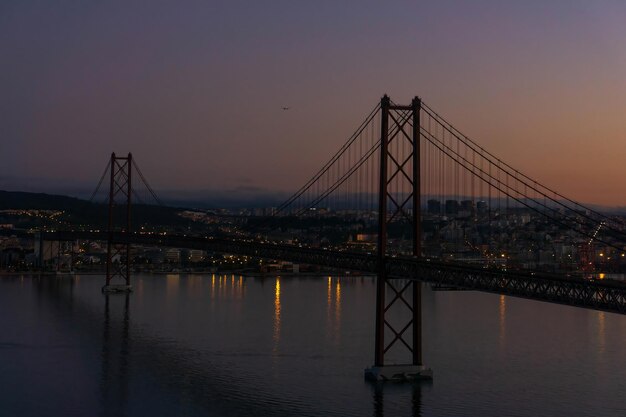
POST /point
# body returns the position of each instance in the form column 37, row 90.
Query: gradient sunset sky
column 195, row 89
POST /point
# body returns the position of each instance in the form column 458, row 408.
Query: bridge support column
column 393, row 207
column 48, row 252
column 39, row 250
column 118, row 253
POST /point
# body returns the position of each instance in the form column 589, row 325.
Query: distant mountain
column 229, row 199
column 37, row 201
column 178, row 201
column 83, row 212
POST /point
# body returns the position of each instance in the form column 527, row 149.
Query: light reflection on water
column 502, row 321
column 276, row 315
column 601, row 332
column 232, row 345
column 329, row 302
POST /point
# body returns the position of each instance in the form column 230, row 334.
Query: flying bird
column 286, row 108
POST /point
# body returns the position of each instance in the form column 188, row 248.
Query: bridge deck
column 599, row 295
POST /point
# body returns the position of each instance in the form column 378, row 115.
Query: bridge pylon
column 399, row 123
column 118, row 253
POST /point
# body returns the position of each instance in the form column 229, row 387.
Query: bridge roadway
column 594, row 294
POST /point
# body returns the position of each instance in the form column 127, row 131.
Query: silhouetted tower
column 399, row 203
column 118, row 247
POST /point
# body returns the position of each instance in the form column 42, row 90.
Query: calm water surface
column 202, row 345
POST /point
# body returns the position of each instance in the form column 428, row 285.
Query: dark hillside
column 84, row 213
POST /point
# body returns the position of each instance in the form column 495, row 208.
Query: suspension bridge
column 428, row 203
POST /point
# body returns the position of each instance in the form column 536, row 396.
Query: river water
column 203, row 345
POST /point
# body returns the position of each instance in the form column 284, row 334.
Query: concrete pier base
column 398, row 373
column 117, row 288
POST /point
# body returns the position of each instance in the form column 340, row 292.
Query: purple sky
column 195, row 88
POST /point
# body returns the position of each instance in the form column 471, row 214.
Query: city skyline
column 201, row 89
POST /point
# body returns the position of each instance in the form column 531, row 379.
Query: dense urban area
column 467, row 230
